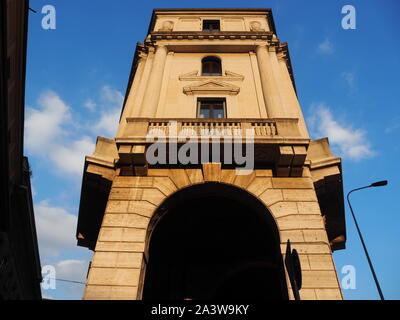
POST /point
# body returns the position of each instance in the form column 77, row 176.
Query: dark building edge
column 20, row 270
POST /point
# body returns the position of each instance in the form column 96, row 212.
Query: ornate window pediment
column 211, row 87
column 194, row 75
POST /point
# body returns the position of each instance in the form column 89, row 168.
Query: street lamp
column 375, row 184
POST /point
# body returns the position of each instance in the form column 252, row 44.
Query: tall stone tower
column 211, row 171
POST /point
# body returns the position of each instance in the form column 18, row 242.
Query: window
column 211, row 25
column 211, row 66
column 211, row 108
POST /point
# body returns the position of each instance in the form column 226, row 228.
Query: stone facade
column 294, row 178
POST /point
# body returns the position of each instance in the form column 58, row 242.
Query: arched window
column 211, row 66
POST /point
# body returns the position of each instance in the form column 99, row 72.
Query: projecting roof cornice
column 194, row 75
column 222, row 35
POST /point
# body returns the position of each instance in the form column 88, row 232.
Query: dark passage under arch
column 214, row 241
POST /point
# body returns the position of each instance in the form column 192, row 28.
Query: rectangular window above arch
column 211, row 108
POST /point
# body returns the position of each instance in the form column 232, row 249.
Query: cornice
column 194, row 75
column 222, row 35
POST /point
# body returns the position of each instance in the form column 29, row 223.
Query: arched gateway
column 213, row 240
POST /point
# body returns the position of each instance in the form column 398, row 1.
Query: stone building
column 166, row 221
column 20, row 270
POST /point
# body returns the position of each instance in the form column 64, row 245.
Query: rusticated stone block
column 158, row 172
column 228, row 176
column 319, row 279
column 329, row 294
column 153, row 196
column 321, row 262
column 96, row 292
column 116, row 246
column 165, row 185
column 212, row 171
column 133, row 182
column 179, row 177
column 259, row 185
column 316, row 235
column 300, row 222
column 113, row 276
column 117, row 259
column 299, row 195
column 292, row 235
column 271, row 196
column 281, row 209
column 308, row 208
column 243, row 180
column 264, row 173
column 292, row 183
column 143, row 208
column 307, row 294
column 195, row 175
column 117, row 206
column 122, row 234
column 309, row 248
column 130, row 220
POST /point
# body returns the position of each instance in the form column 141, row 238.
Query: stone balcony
column 277, row 142
column 283, row 130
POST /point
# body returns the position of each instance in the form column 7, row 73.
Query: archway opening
column 214, row 241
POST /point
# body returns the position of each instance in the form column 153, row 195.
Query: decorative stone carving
column 256, row 26
column 167, row 26
column 194, row 75
column 211, row 87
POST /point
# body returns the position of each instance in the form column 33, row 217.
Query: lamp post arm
column 363, row 243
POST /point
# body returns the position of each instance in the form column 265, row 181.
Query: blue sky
column 346, row 82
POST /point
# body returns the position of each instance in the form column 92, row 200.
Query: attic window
column 211, row 25
column 211, row 66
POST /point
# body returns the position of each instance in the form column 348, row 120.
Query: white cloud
column 44, row 125
column 90, row 104
column 47, row 135
column 351, row 143
column 111, row 101
column 71, row 158
column 108, row 123
column 111, row 96
column 74, row 270
column 325, row 47
column 56, row 229
column 50, row 128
